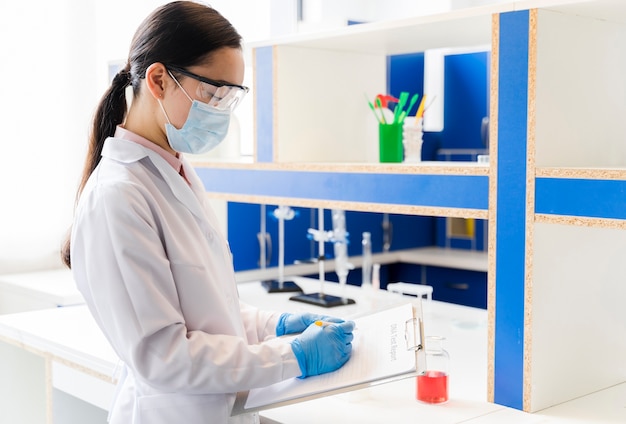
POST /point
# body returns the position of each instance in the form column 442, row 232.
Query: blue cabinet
column 458, row 286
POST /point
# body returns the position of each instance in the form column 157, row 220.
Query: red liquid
column 432, row 387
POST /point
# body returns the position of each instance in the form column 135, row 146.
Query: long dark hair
column 181, row 33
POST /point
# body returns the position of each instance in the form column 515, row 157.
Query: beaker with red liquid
column 432, row 383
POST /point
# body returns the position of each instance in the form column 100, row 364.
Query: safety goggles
column 220, row 95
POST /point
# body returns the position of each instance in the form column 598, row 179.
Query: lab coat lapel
column 181, row 190
column 128, row 151
column 196, row 183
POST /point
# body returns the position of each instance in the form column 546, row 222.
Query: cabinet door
column 458, row 286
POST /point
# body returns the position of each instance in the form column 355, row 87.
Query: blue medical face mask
column 205, row 127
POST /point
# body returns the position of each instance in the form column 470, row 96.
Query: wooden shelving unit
column 553, row 191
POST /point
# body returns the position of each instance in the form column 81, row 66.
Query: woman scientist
column 146, row 253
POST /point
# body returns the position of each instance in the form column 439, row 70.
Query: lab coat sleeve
column 121, row 267
column 260, row 325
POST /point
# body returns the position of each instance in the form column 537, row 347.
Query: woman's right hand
column 322, row 349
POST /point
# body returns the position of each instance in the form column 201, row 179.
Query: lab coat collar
column 125, row 151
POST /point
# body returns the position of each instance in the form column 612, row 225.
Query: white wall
column 46, row 100
column 578, row 316
column 321, row 14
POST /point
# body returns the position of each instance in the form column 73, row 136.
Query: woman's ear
column 156, row 79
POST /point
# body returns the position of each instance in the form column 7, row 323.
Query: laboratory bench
column 28, row 291
column 61, row 369
column 463, row 259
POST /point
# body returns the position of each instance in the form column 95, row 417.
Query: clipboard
column 409, row 338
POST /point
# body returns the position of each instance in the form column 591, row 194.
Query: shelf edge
column 354, row 206
column 582, row 173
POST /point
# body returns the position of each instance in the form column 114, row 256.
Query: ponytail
column 110, row 113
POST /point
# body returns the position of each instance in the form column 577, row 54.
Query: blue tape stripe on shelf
column 511, row 207
column 584, row 198
column 445, row 191
column 264, row 103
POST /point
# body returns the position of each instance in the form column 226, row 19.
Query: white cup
column 412, row 139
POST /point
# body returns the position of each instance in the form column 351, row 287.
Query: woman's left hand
column 297, row 323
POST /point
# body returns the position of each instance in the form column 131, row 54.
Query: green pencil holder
column 390, row 143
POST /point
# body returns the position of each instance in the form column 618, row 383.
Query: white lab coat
column 157, row 276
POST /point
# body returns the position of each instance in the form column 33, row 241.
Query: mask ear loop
column 183, row 90
column 164, row 112
column 180, row 86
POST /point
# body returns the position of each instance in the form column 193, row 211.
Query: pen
column 420, row 108
column 323, row 323
column 380, row 106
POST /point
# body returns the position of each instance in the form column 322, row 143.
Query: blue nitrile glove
column 297, row 323
column 323, row 349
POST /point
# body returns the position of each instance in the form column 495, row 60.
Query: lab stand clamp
column 282, row 214
column 339, row 237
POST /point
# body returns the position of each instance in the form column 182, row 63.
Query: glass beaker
column 432, row 383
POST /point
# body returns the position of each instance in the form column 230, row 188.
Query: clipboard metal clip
column 414, row 334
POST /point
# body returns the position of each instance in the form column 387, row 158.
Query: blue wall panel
column 264, row 103
column 511, row 207
column 405, row 72
column 244, row 224
column 466, row 91
column 587, row 198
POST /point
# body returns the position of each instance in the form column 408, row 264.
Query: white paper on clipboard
column 384, row 349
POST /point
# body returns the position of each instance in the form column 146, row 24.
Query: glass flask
column 366, row 278
column 432, row 383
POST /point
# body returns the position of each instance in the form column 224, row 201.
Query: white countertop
column 472, row 260
column 54, row 286
column 70, row 335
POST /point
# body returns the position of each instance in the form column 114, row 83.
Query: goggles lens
column 222, row 96
column 226, row 97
